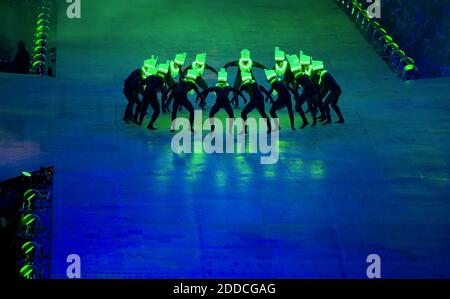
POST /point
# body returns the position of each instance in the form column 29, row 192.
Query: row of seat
column 39, row 62
column 382, row 42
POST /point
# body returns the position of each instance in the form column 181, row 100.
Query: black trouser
column 152, row 100
column 133, row 98
column 306, row 96
column 237, row 83
column 200, row 82
column 225, row 104
column 280, row 103
column 179, row 102
column 256, row 103
column 318, row 103
column 332, row 99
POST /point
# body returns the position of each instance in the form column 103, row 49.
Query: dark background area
column 422, row 30
column 17, row 22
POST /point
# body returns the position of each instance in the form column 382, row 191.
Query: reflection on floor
column 132, row 209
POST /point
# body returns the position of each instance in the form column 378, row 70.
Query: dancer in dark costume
column 244, row 64
column 179, row 93
column 301, row 71
column 283, row 100
column 327, row 85
column 222, row 90
column 282, row 67
column 173, row 76
column 200, row 66
column 134, row 85
column 251, row 87
column 154, row 84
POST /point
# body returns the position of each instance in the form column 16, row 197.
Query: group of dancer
column 289, row 74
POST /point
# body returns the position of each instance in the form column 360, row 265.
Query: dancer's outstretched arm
column 259, row 65
column 205, row 92
column 230, row 64
column 210, row 68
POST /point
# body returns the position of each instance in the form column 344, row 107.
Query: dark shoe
column 341, row 121
column 305, row 124
column 126, row 120
column 151, row 128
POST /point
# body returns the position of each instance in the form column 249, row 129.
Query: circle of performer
column 292, row 77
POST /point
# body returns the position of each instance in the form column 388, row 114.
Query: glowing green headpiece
column 151, row 62
column 149, row 68
column 270, row 75
column 191, row 75
column 200, row 58
column 246, row 77
column 245, row 54
column 222, row 76
column 279, row 55
column 294, row 62
column 305, row 59
column 317, row 65
column 163, row 68
column 180, row 58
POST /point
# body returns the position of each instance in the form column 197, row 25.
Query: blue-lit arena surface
column 131, row 208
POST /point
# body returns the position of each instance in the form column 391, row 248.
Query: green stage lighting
column 26, row 174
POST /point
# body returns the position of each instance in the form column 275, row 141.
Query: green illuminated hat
column 149, row 68
column 200, row 58
column 317, row 65
column 270, row 75
column 305, row 59
column 246, row 77
column 192, row 74
column 279, row 55
column 151, row 62
column 180, row 58
column 294, row 62
column 222, row 76
column 245, row 54
column 163, row 68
